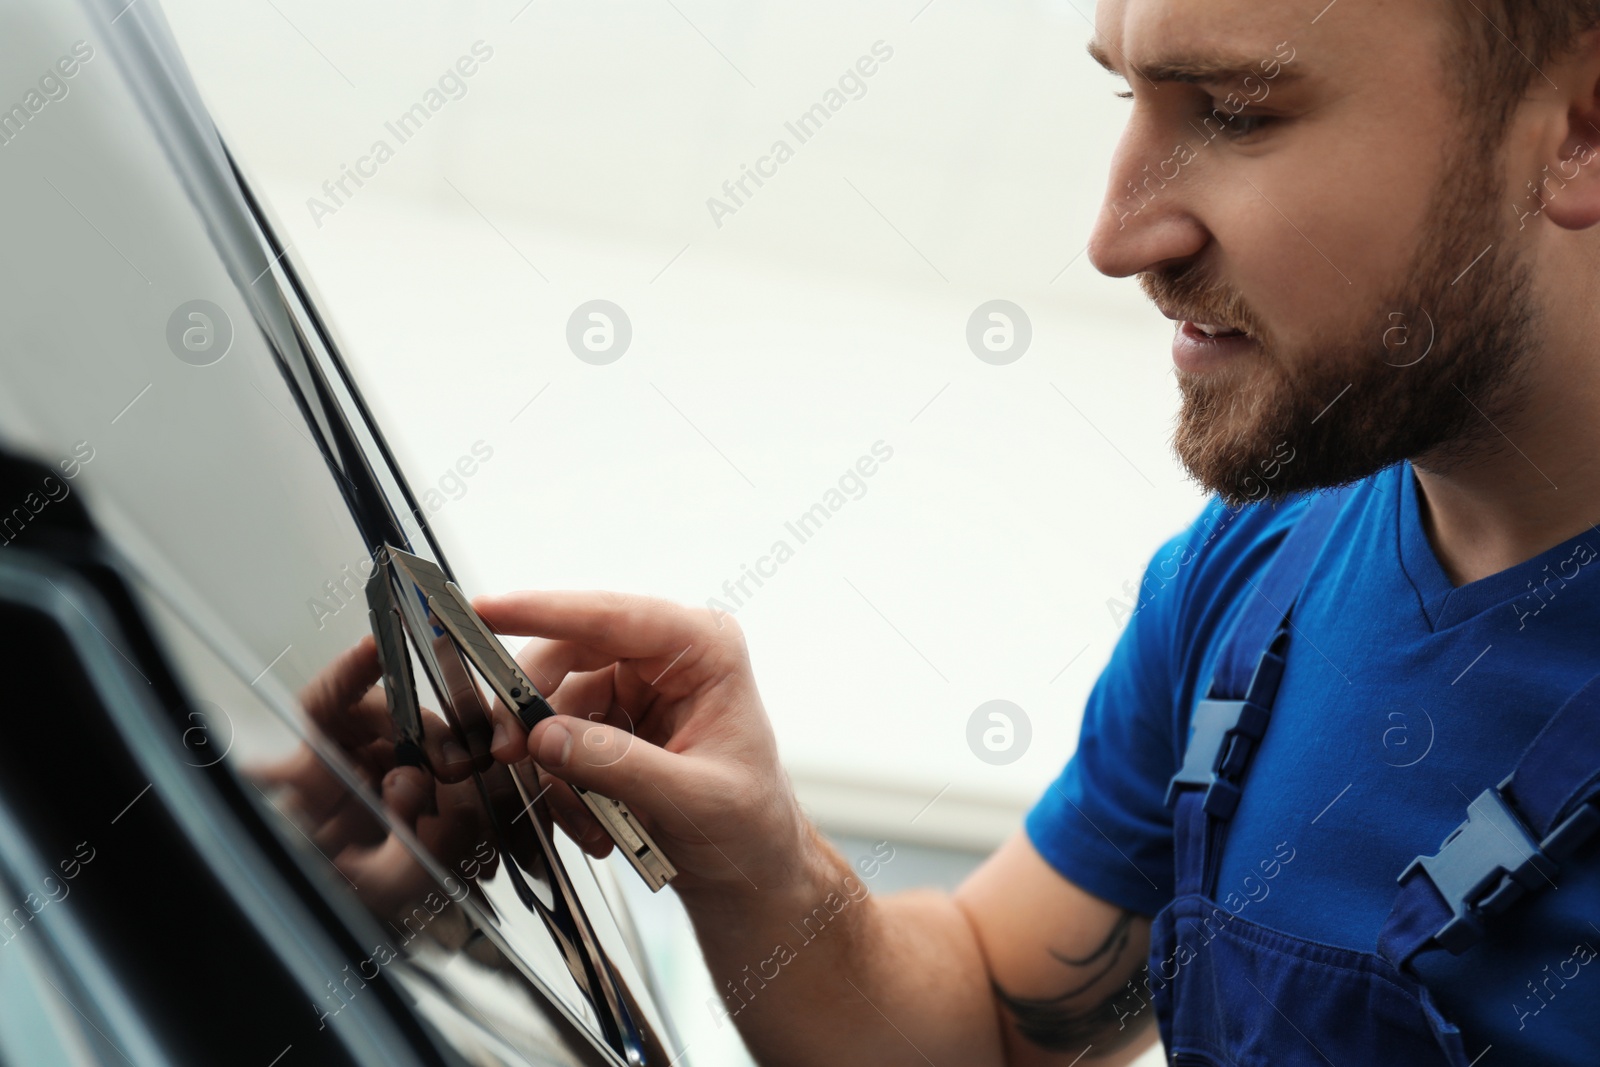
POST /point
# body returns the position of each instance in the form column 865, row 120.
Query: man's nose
column 1146, row 220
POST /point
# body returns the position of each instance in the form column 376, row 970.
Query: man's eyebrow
column 1198, row 70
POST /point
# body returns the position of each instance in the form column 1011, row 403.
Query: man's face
column 1331, row 202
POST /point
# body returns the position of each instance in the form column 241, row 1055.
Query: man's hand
column 657, row 707
column 445, row 813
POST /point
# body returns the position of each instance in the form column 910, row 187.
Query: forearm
column 822, row 972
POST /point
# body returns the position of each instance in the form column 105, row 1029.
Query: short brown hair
column 1503, row 45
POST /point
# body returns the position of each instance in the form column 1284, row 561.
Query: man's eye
column 1240, row 125
column 1236, row 126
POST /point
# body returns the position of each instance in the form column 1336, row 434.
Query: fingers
column 592, row 696
column 342, row 682
column 346, row 705
column 586, row 693
column 317, row 790
column 622, row 625
column 577, row 820
column 358, row 723
column 388, row 877
column 632, row 693
column 509, row 743
column 618, row 625
column 446, row 818
column 613, row 762
column 408, row 793
column 446, row 754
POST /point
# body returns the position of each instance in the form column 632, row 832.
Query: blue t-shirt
column 1403, row 698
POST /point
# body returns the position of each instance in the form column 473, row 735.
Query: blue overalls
column 1232, row 992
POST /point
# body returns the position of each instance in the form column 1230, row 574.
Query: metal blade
column 394, row 657
column 498, row 667
column 454, row 613
column 636, row 845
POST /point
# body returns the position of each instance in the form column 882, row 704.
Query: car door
column 195, row 469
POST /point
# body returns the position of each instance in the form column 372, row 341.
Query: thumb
column 608, row 760
column 408, row 794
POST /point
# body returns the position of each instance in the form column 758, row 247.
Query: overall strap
column 1230, row 721
column 1516, row 837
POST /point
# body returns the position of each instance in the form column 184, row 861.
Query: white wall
column 827, row 314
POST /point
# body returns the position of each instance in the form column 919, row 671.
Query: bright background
column 768, row 353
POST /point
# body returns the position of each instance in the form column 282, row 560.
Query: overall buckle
column 1224, row 734
column 1491, row 860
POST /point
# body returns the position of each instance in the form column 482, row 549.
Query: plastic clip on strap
column 1229, row 723
column 1225, row 734
column 1490, row 861
column 1514, row 840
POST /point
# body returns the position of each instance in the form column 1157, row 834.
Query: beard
column 1428, row 374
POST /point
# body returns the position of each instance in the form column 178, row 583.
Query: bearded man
column 1334, row 797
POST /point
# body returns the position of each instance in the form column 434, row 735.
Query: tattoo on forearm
column 1063, row 1024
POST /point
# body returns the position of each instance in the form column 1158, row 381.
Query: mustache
column 1191, row 295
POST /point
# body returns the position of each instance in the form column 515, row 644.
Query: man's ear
column 1569, row 187
column 1568, row 183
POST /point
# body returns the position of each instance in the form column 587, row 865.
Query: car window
column 160, row 354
